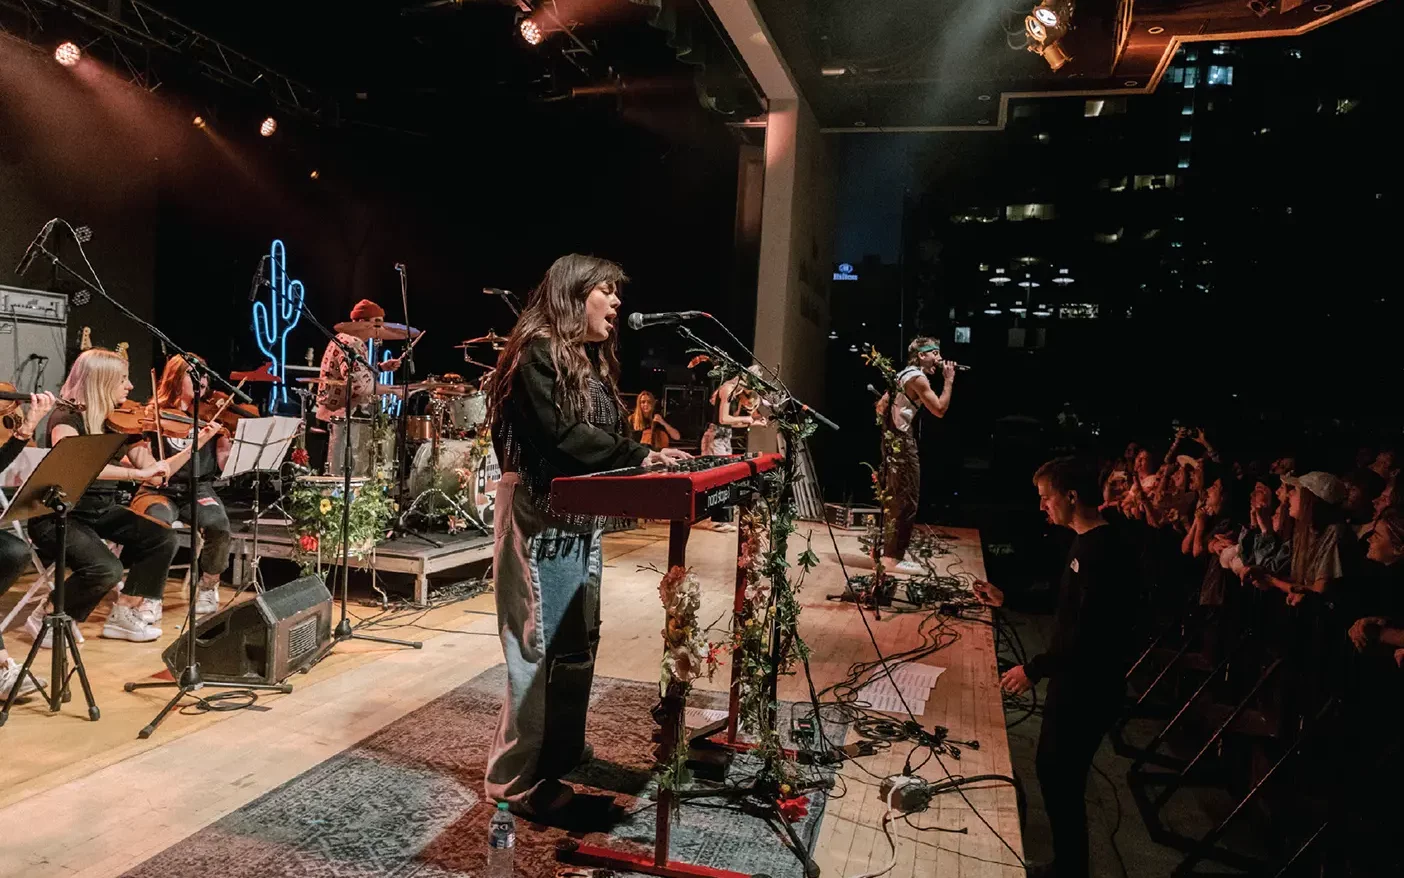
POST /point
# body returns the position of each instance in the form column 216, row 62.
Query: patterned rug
column 408, row 802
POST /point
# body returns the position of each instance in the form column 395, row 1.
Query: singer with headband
column 903, row 480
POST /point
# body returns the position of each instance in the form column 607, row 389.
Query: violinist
column 14, row 552
column 171, row 502
column 98, row 380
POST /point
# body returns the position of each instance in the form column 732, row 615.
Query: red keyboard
column 689, row 491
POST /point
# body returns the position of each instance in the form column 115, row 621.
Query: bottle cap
column 502, row 806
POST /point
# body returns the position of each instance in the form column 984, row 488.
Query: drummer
column 361, row 387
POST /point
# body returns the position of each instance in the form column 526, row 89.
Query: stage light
column 68, row 54
column 316, row 174
column 198, row 122
column 1045, row 26
column 268, row 127
column 1043, row 311
column 992, row 309
column 999, row 278
column 531, row 32
column 1062, row 278
column 1028, row 282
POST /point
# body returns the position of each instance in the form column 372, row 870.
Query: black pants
column 214, row 523
column 148, row 546
column 14, row 558
column 903, row 485
column 1076, row 715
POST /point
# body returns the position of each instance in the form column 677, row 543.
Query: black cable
column 1116, row 828
column 212, row 703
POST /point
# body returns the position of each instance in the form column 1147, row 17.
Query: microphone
column 494, row 291
column 958, row 366
column 260, row 280
column 874, row 391
column 399, row 266
column 40, row 241
column 663, row 318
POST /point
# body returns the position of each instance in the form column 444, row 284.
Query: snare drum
column 366, row 456
column 419, row 428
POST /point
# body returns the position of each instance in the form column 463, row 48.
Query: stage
column 89, row 799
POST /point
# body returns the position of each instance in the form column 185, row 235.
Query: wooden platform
column 88, row 799
column 416, row 557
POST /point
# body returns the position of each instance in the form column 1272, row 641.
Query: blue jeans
column 547, row 583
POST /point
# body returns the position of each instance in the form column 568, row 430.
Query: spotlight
column 1062, row 278
column 268, row 127
column 198, row 122
column 531, row 32
column 68, row 54
column 1045, row 26
column 999, row 277
column 83, row 234
column 316, row 174
column 1043, row 311
column 1028, row 281
column 992, row 309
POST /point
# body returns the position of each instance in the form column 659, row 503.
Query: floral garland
column 687, row 655
column 891, row 445
column 773, row 584
column 316, row 520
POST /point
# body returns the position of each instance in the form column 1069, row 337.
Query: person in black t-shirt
column 554, row 410
column 99, row 381
column 14, row 552
column 1086, row 662
column 171, row 501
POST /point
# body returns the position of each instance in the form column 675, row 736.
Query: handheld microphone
column 40, row 241
column 958, row 366
column 663, row 318
column 260, row 280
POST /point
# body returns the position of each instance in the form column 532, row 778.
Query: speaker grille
column 302, row 638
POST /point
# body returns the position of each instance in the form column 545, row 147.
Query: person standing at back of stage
column 903, row 462
column 1086, row 661
column 554, row 410
column 733, row 408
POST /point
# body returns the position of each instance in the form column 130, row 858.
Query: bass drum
column 461, row 472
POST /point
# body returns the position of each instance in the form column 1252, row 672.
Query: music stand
column 259, row 446
column 52, row 489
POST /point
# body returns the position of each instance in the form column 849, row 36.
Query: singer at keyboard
column 554, row 411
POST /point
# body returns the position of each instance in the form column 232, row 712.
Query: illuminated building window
column 1185, row 137
column 1175, row 75
column 1155, row 181
column 1191, row 77
column 1018, row 212
column 1220, row 75
column 1223, row 49
column 1188, row 110
column 1104, row 107
column 1345, row 105
column 1183, row 163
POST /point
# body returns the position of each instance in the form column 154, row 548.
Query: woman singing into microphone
column 554, row 410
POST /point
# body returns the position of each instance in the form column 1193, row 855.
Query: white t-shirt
column 904, row 409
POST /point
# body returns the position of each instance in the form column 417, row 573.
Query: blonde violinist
column 98, row 380
column 171, row 502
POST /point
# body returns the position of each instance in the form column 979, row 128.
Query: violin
column 10, row 415
column 219, row 407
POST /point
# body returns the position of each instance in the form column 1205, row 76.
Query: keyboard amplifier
column 265, row 640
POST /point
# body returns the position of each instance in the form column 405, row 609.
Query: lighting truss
column 133, row 34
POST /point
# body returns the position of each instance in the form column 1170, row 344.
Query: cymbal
column 377, row 329
column 442, row 388
column 491, row 338
column 330, row 382
column 262, row 375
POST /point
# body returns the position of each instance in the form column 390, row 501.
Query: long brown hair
column 556, row 312
column 172, row 382
column 1314, row 516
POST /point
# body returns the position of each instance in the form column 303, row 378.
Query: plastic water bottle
column 502, row 843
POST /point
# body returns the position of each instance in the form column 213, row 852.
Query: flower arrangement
column 316, row 520
column 687, row 655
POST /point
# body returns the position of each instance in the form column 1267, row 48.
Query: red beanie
column 367, row 310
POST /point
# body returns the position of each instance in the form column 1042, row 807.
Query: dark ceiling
column 955, row 64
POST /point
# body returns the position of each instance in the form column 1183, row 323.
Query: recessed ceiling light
column 1155, row 30
column 1321, row 7
column 984, row 97
column 1131, row 83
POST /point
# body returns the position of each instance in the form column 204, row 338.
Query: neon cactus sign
column 274, row 321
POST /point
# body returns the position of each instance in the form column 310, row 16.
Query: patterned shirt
column 331, row 399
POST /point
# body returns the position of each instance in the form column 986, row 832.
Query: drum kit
column 452, row 471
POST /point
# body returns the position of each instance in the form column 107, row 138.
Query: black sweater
column 1097, row 605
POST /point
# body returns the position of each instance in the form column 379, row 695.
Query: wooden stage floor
column 89, row 799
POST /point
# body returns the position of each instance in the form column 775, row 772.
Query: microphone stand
column 190, row 679
column 402, row 458
column 765, row 788
column 507, row 299
column 343, row 630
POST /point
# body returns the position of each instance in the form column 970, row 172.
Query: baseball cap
column 1323, row 485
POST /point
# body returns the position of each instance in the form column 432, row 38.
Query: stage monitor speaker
column 265, row 640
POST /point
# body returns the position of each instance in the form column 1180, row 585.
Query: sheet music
column 260, row 444
column 697, row 717
column 914, row 682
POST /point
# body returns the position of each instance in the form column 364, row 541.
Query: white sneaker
column 206, row 601
column 149, row 611
column 124, row 624
column 35, row 623
column 10, row 677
